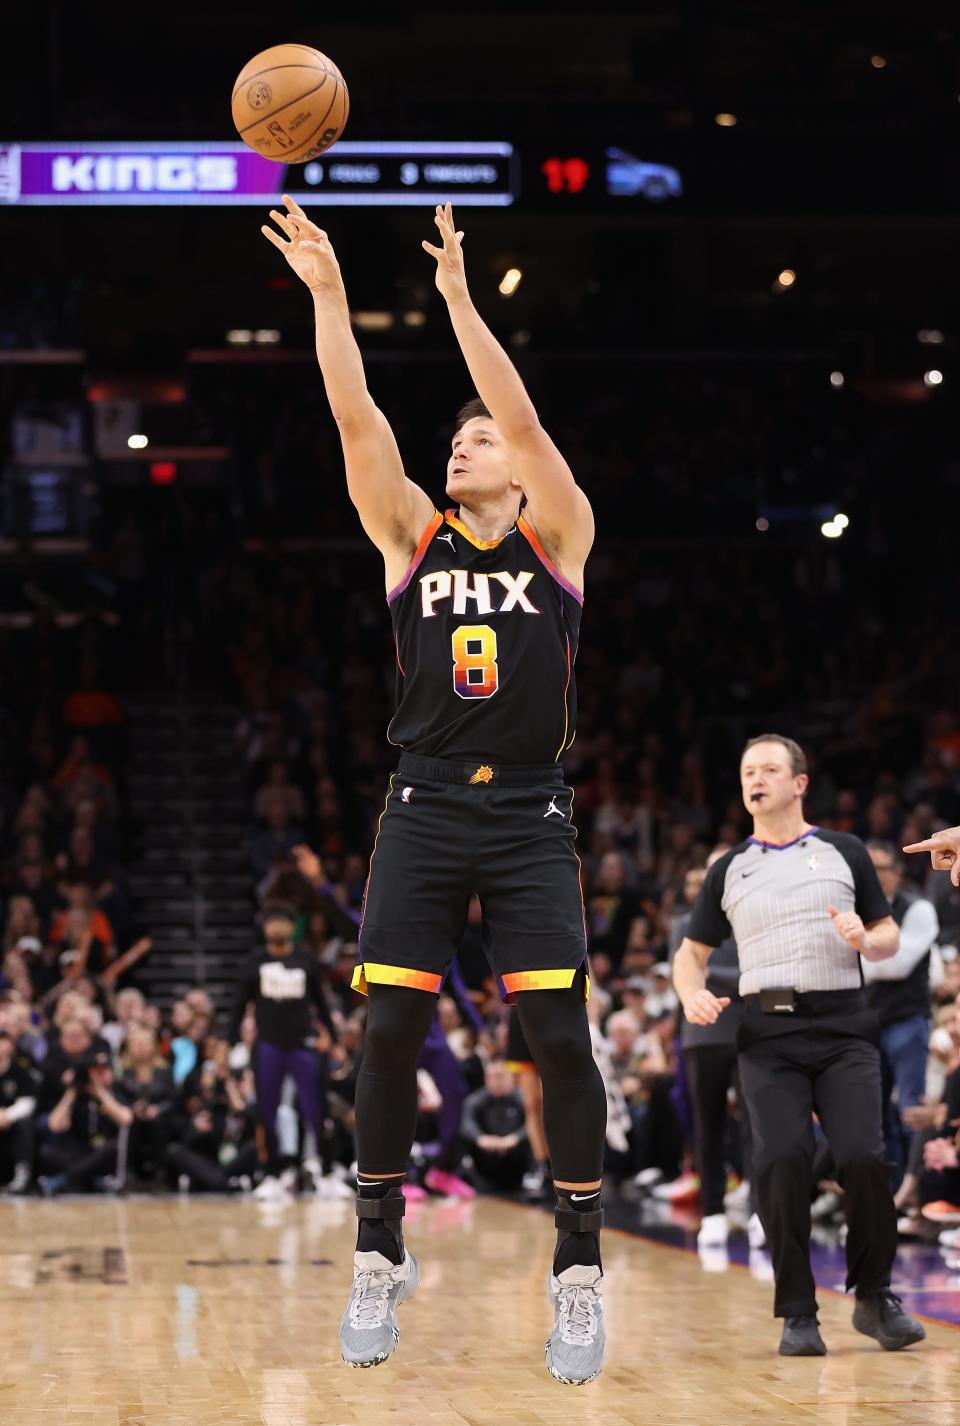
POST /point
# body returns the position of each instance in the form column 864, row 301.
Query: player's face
column 478, row 463
column 278, row 936
column 767, row 780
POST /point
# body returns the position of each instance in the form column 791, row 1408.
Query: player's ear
column 803, row 782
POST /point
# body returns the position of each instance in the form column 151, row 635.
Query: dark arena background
column 720, row 244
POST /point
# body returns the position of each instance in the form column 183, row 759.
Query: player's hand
column 944, row 849
column 850, row 927
column 705, row 1008
column 451, row 276
column 308, row 864
column 308, row 251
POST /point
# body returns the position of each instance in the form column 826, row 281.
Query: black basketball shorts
column 451, row 830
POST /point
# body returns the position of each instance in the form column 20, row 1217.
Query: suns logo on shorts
column 483, row 774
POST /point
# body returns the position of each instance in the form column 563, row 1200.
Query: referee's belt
column 786, row 1001
column 478, row 774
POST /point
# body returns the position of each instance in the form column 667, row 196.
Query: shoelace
column 578, row 1316
column 368, row 1307
column 890, row 1303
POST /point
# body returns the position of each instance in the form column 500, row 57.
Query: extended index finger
column 294, row 206
column 928, row 846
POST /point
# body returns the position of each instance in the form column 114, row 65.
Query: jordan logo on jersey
column 449, row 538
column 553, row 809
column 459, row 585
column 279, row 982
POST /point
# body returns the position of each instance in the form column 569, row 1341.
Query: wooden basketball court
column 170, row 1312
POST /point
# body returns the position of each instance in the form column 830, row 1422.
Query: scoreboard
column 385, row 173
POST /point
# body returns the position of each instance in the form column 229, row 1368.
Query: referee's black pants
column 823, row 1059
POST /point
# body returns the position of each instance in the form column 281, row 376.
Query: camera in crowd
column 82, row 1067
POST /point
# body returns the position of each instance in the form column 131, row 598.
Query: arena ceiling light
column 725, row 121
column 930, row 337
column 372, row 321
column 785, row 280
column 831, row 530
column 239, row 336
column 837, row 379
column 138, row 442
column 510, row 281
column 933, row 377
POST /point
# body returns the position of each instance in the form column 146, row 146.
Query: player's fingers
column 294, row 206
column 955, row 874
column 928, row 846
column 434, row 252
column 285, row 223
column 275, row 238
column 723, row 1001
column 832, row 911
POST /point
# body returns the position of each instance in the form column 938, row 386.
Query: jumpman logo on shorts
column 449, row 537
column 553, row 808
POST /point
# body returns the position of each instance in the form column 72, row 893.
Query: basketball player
column 282, row 982
column 485, row 604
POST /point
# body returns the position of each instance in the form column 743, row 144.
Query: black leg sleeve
column 555, row 1026
column 398, row 1021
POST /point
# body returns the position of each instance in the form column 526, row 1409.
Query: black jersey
column 486, row 634
column 282, row 989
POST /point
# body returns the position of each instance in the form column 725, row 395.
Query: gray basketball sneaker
column 368, row 1328
column 576, row 1345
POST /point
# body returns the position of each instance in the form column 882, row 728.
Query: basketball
column 290, row 103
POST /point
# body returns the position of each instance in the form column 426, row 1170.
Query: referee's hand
column 944, row 849
column 850, row 927
column 705, row 1008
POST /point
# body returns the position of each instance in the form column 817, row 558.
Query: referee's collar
column 782, row 846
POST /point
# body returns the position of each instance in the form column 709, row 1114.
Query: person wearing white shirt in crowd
column 898, row 990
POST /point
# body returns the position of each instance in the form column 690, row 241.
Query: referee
column 803, row 905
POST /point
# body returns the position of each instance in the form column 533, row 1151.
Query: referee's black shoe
column 883, row 1317
column 801, row 1338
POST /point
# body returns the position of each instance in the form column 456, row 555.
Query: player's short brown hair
column 798, row 758
column 469, row 411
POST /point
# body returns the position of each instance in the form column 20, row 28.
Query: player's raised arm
column 392, row 510
column 556, row 506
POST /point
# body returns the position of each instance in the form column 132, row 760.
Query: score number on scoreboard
column 611, row 173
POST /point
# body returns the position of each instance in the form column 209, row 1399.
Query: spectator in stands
column 214, row 1144
column 273, row 841
column 494, row 1128
column 19, row 1083
column 147, row 1086
column 86, row 1143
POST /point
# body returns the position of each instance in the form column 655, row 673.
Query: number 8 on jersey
column 475, row 661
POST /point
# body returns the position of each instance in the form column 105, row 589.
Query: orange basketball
column 290, row 103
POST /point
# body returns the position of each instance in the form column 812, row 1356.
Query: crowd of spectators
column 688, row 647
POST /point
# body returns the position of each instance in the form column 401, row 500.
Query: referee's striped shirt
column 773, row 900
